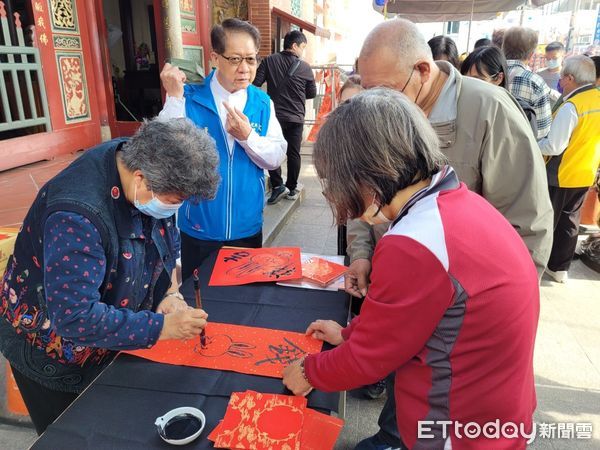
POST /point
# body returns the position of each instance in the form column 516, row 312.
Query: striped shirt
column 532, row 89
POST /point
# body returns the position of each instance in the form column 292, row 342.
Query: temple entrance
column 131, row 63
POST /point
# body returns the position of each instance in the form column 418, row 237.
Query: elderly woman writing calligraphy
column 93, row 270
column 453, row 303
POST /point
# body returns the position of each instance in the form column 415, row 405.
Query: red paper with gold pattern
column 236, row 266
column 322, row 271
column 251, row 350
column 216, row 430
column 262, row 421
column 319, row 431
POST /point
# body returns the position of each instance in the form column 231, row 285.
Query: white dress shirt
column 564, row 123
column 267, row 152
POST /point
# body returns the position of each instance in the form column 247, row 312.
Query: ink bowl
column 180, row 426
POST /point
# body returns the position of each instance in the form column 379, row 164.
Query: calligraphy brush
column 199, row 305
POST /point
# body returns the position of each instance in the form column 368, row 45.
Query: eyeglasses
column 486, row 78
column 237, row 60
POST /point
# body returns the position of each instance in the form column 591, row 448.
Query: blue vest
column 91, row 187
column 237, row 210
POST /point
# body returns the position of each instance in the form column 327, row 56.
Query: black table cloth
column 119, row 408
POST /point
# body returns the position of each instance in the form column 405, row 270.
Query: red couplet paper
column 322, row 271
column 319, row 431
column 261, row 421
column 256, row 421
column 235, row 266
column 251, row 350
column 215, row 432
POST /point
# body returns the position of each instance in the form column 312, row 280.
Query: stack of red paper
column 273, row 421
column 321, row 271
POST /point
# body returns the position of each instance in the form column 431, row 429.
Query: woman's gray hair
column 581, row 68
column 379, row 141
column 176, row 157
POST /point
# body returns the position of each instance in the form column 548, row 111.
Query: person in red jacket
column 453, row 303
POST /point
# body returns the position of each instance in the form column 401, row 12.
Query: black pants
column 292, row 132
column 567, row 204
column 44, row 405
column 388, row 426
column 194, row 251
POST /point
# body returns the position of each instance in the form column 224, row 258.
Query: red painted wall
column 64, row 137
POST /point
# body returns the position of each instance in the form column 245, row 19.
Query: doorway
column 132, row 54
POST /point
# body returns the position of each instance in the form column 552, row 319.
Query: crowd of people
column 438, row 173
column 551, row 100
column 575, row 160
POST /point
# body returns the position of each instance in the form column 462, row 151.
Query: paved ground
column 567, row 359
column 20, row 186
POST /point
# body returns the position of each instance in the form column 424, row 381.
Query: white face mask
column 553, row 63
column 373, row 214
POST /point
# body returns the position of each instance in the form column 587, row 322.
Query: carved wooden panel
column 63, row 15
column 73, row 86
column 225, row 9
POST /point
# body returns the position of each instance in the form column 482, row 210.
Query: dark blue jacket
column 89, row 187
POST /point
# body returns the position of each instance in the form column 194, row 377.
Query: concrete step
column 588, row 229
column 277, row 215
column 307, row 149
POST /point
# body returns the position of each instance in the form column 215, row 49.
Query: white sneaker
column 560, row 276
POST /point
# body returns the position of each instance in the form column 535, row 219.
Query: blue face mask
column 155, row 207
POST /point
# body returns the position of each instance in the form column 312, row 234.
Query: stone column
column 171, row 21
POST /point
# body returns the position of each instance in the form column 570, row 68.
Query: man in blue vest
column 241, row 119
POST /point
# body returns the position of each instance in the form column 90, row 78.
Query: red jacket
column 453, row 309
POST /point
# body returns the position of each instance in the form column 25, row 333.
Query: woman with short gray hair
column 93, row 269
column 443, row 311
column 176, row 157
